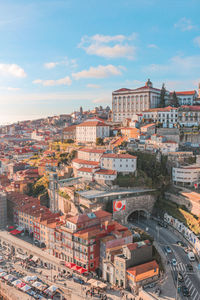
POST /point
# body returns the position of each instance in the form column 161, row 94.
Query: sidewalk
column 168, row 290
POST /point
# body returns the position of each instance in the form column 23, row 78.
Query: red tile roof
column 142, row 269
column 70, row 128
column 92, row 124
column 122, row 90
column 85, row 162
column 106, row 172
column 192, row 107
column 87, row 170
column 168, row 108
column 185, row 93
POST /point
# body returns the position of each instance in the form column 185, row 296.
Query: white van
column 191, row 256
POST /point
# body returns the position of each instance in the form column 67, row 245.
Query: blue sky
column 56, row 55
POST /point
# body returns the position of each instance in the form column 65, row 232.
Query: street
column 165, row 237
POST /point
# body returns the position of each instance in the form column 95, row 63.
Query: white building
column 189, row 116
column 91, row 154
column 157, row 142
column 186, row 175
column 92, row 129
column 97, row 174
column 168, row 116
column 128, row 102
column 125, row 163
column 186, row 97
column 35, row 135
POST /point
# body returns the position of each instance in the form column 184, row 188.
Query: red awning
column 75, row 268
column 82, row 270
column 20, row 285
column 15, row 232
column 70, row 265
column 11, row 227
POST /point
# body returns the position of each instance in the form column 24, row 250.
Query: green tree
column 174, row 101
column 99, row 141
column 162, row 96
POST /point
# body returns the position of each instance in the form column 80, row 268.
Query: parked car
column 189, row 267
column 191, row 256
column 180, row 243
column 174, row 262
column 78, row 280
column 185, row 291
column 168, row 249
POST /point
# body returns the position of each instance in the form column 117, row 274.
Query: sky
column 58, row 55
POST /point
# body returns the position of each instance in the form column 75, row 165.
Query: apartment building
column 168, row 116
column 186, row 175
column 128, row 102
column 124, row 163
column 128, row 256
column 69, row 132
column 3, row 209
column 98, row 174
column 142, row 274
column 30, row 216
column 90, row 130
column 189, row 116
column 79, row 240
column 157, row 142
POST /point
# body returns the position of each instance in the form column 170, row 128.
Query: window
column 92, row 265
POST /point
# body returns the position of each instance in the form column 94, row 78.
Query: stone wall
column 171, row 134
column 142, row 202
column 193, row 207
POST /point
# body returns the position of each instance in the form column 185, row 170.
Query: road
column 165, row 237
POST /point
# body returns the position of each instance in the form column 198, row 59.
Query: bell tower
column 149, row 83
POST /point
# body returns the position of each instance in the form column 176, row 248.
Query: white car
column 174, row 262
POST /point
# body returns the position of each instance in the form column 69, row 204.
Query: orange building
column 142, row 274
column 130, row 132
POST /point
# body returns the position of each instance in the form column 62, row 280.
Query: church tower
column 149, row 83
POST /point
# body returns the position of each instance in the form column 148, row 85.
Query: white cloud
column 63, row 81
column 98, row 72
column 51, row 65
column 197, row 41
column 13, row 70
column 9, row 88
column 66, row 61
column 93, row 86
column 184, row 24
column 187, row 65
column 109, row 46
column 152, row 46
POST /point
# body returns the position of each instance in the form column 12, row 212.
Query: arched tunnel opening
column 137, row 215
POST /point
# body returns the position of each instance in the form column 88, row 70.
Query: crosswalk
column 180, row 267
